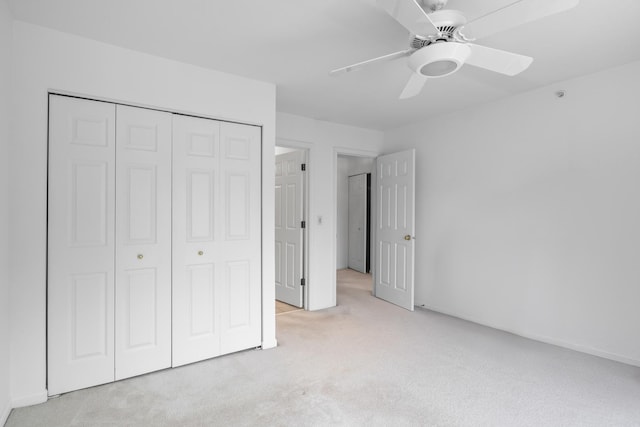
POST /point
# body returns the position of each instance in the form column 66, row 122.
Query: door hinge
column 303, row 224
column 302, row 282
column 303, row 166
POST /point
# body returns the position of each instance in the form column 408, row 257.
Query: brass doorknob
column 200, row 253
column 140, row 256
column 407, row 237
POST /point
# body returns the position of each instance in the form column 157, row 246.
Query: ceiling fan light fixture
column 439, row 68
column 439, row 59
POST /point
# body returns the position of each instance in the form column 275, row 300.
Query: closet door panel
column 196, row 236
column 201, row 294
column 240, row 287
column 80, row 244
column 143, row 241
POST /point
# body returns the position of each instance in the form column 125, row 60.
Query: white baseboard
column 545, row 339
column 4, row 413
column 34, row 399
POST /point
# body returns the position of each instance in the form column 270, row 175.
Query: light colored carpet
column 367, row 363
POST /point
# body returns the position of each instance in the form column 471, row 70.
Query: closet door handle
column 140, row 256
column 200, row 253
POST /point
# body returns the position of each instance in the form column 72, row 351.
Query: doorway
column 353, row 217
column 359, row 223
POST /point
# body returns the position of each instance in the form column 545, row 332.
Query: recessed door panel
column 143, row 241
column 89, row 190
column 141, row 181
column 385, row 208
column 237, row 206
column 80, row 255
column 141, row 296
column 202, row 144
column 293, row 216
column 237, row 147
column 385, row 264
column 402, row 167
column 401, row 268
column 200, row 205
column 402, row 214
column 239, row 294
column 202, row 298
column 279, row 211
column 88, row 129
column 89, row 326
column 141, row 136
column 292, row 254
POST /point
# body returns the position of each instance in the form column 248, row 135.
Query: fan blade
column 496, row 60
column 514, row 14
column 410, row 15
column 384, row 58
column 414, row 86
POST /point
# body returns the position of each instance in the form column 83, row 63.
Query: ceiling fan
column 438, row 46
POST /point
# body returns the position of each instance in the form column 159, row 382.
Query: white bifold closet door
column 109, row 254
column 81, row 244
column 145, row 273
column 216, row 238
column 143, row 241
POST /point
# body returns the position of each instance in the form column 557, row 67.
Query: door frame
column 306, row 148
column 353, row 152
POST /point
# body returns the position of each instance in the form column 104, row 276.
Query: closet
column 153, row 241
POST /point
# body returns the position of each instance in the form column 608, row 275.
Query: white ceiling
column 294, row 43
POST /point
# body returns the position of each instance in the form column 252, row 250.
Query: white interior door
column 143, row 241
column 81, row 247
column 395, row 184
column 358, row 222
column 196, row 233
column 289, row 233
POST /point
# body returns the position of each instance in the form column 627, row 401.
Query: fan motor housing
column 439, row 59
column 448, row 23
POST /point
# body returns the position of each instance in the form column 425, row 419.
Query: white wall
column 325, row 141
column 49, row 60
column 528, row 213
column 347, row 166
column 5, row 60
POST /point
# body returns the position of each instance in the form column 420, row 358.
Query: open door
column 289, row 245
column 394, row 269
